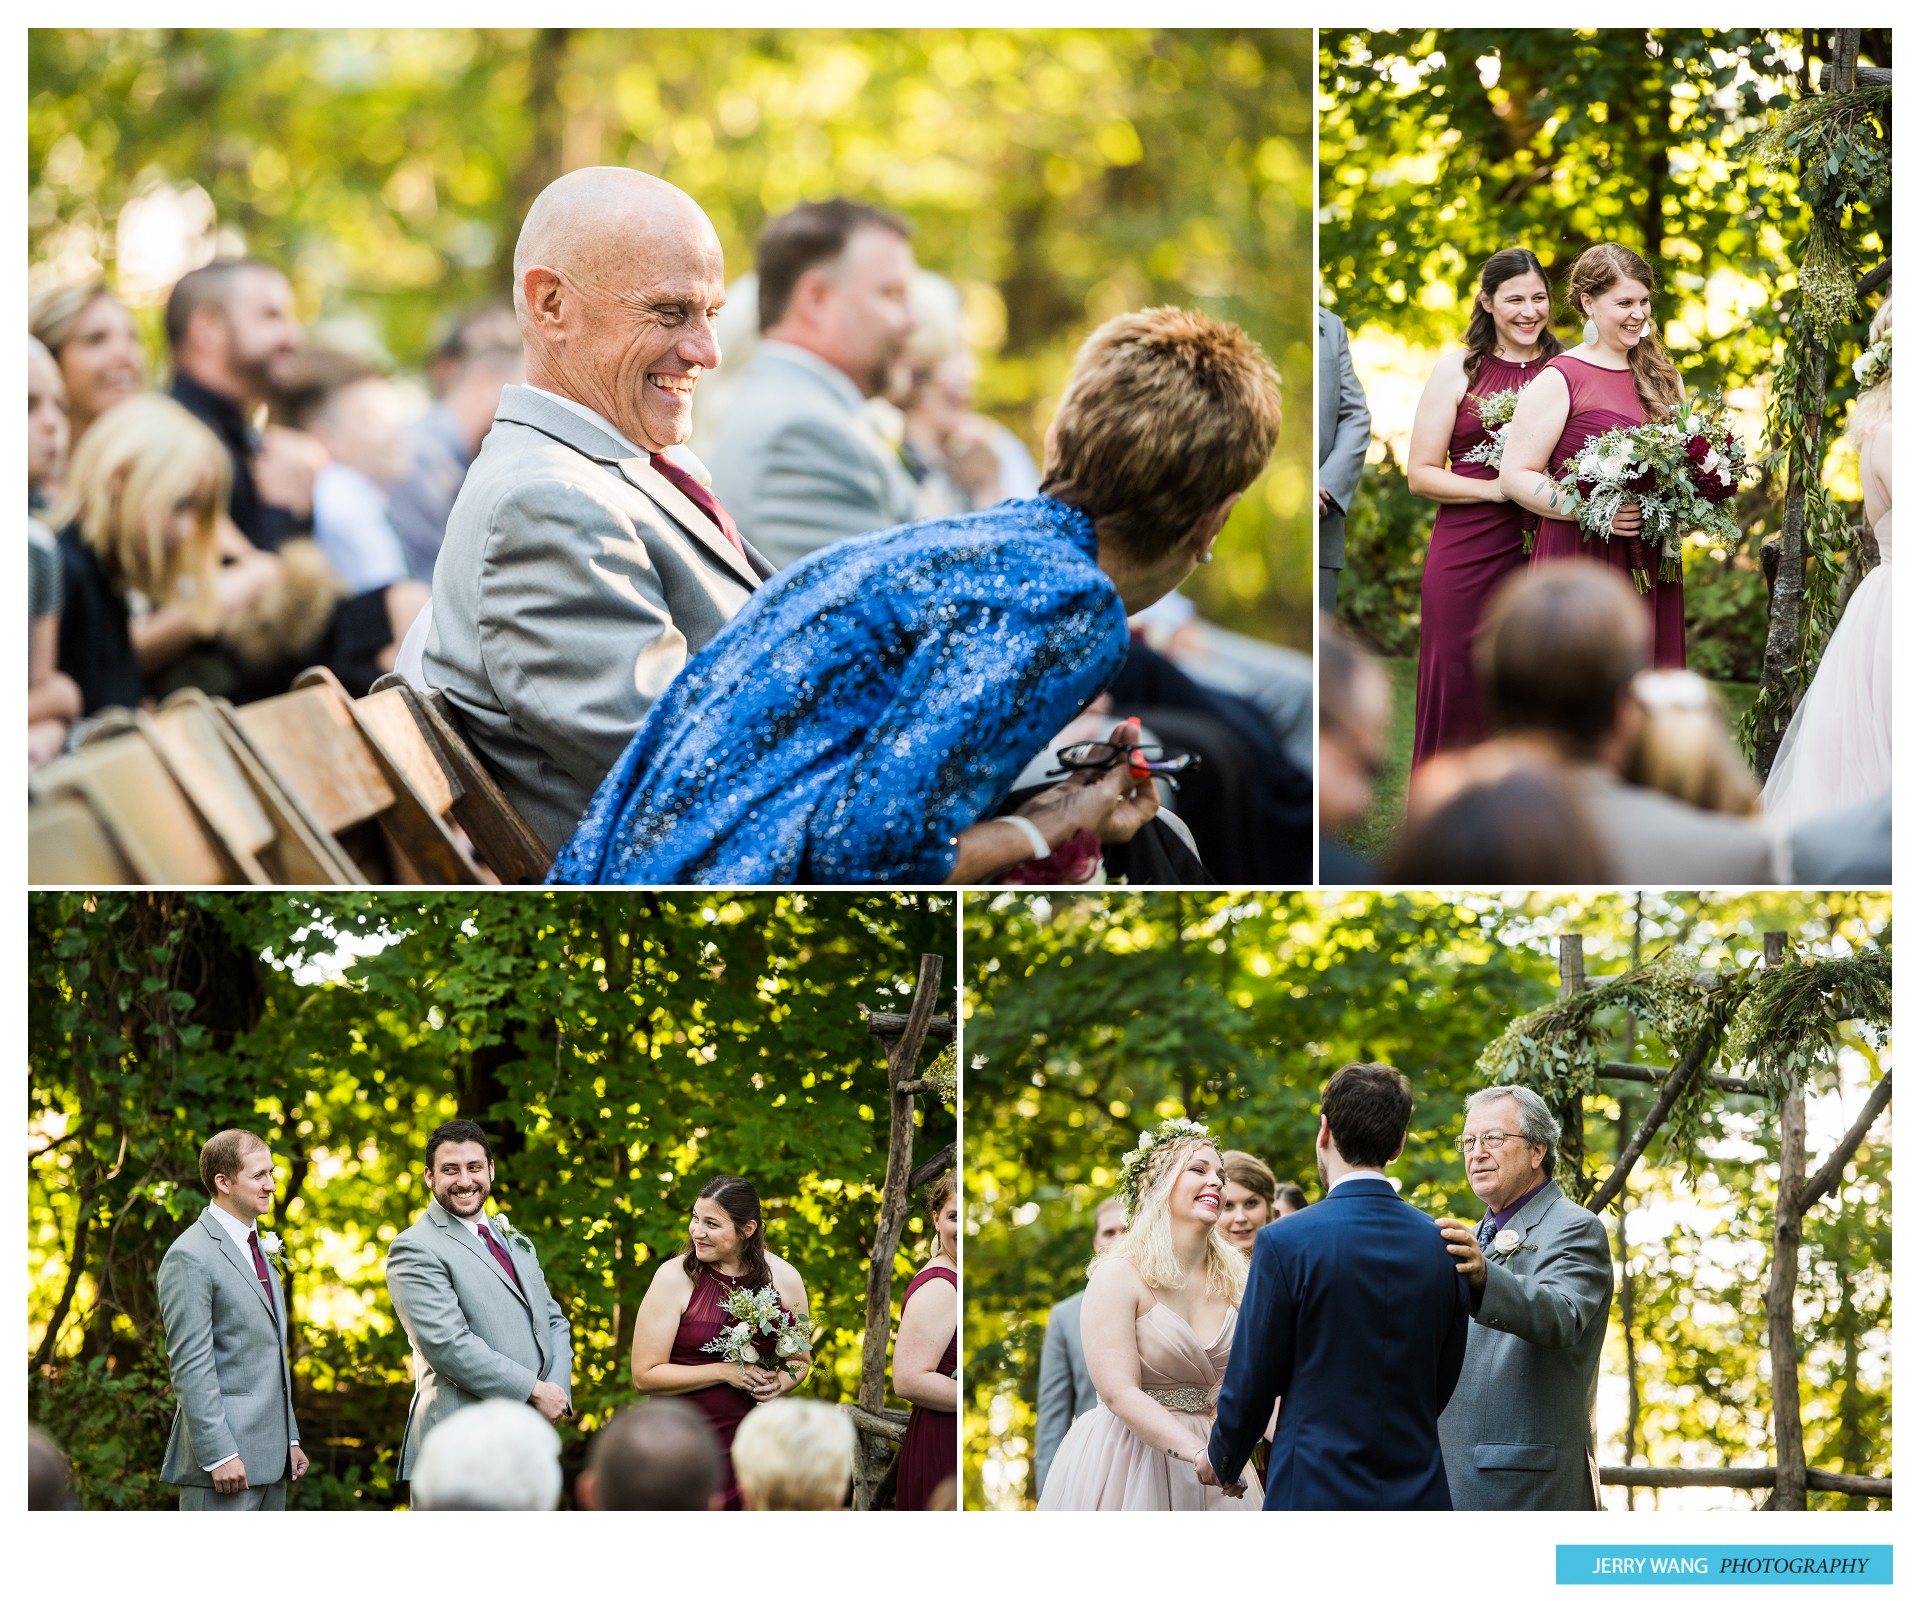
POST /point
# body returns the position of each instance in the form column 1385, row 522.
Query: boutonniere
column 270, row 1246
column 1507, row 1244
column 509, row 1233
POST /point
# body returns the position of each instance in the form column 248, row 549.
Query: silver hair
column 499, row 1456
column 1538, row 1125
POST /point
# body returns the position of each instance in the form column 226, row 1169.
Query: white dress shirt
column 679, row 455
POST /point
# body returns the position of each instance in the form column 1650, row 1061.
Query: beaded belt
column 1184, row 1398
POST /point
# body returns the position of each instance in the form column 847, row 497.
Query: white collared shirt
column 239, row 1233
column 1359, row 1173
column 679, row 455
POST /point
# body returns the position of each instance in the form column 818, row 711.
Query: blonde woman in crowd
column 792, row 1455
column 94, row 340
column 1683, row 747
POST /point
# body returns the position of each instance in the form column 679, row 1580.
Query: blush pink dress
column 1103, row 1466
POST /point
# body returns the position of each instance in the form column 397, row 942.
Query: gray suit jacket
column 799, row 464
column 1655, row 839
column 1346, row 429
column 227, row 1351
column 476, row 1335
column 1065, row 1389
column 1518, row 1433
column 574, row 584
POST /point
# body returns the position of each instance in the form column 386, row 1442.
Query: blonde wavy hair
column 1874, row 405
column 1148, row 1241
column 1655, row 378
column 136, row 465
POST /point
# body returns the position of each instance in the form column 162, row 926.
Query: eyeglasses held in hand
column 1098, row 755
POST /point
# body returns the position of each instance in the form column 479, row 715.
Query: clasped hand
column 761, row 1383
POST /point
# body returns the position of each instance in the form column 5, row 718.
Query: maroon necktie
column 499, row 1254
column 697, row 492
column 260, row 1264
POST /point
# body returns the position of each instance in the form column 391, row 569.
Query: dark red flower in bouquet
column 1698, row 447
column 1588, row 488
column 1644, row 482
column 1711, row 487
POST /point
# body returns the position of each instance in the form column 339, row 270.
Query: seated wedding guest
column 1557, row 655
column 53, row 699
column 493, row 1456
column 1355, row 703
column 1507, row 818
column 1247, row 1200
column 352, row 408
column 794, row 1456
column 138, row 516
column 797, row 459
column 48, row 1488
column 1065, row 1389
column 870, row 709
column 1853, row 845
column 582, row 568
column 479, row 356
column 926, row 1355
column 94, row 339
column 47, row 429
column 1288, row 1199
column 1683, row 747
column 656, row 1457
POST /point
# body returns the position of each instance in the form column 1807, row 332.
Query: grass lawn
column 1374, row 835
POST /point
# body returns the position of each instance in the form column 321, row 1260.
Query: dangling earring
column 1590, row 335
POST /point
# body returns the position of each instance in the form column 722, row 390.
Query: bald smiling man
column 582, row 568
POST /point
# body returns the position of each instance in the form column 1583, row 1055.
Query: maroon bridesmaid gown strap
column 928, row 1449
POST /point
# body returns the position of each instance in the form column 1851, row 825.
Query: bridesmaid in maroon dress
column 681, row 1312
column 926, row 1361
column 1476, row 535
column 1619, row 376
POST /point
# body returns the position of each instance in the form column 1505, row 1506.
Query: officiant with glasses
column 868, row 712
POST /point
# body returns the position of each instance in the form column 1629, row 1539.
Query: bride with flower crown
column 1156, row 1325
column 1838, row 750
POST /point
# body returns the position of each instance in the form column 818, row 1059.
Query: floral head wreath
column 1875, row 362
column 1138, row 1166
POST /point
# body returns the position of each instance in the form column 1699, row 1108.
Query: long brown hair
column 1482, row 335
column 937, row 1198
column 741, row 1202
column 1655, row 378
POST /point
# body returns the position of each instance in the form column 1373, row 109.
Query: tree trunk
column 1789, row 1442
column 1573, row 979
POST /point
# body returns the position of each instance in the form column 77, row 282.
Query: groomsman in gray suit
column 235, row 1444
column 469, row 1292
column 583, row 565
column 1518, row 1432
column 1065, row 1389
column 797, row 457
column 1346, row 429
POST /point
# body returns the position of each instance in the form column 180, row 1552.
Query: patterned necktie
column 1487, row 1232
column 698, row 493
column 260, row 1265
column 499, row 1254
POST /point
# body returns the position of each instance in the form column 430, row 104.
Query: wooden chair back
column 123, row 782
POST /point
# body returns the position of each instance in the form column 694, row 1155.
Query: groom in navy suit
column 1356, row 1318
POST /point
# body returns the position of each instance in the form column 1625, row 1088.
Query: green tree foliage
column 1440, row 146
column 1059, row 176
column 1092, row 1018
column 620, row 1049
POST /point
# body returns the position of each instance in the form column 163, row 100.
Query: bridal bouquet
column 1496, row 411
column 1682, row 472
column 763, row 1333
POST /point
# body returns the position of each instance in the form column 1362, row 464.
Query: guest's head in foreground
column 1109, row 1223
column 233, row 329
column 1364, row 1111
column 46, row 421
column 236, row 1169
column 725, row 1232
column 791, row 1455
column 617, row 277
column 1512, row 311
column 493, row 1456
column 1508, row 1144
column 1611, row 290
column 943, row 1211
column 1171, row 1185
column 1557, row 655
column 1355, row 701
column 94, row 339
column 835, row 278
column 1683, row 747
column 1247, row 1201
column 656, row 1457
column 48, row 1486
column 1288, row 1199
column 460, row 1167
column 352, row 408
column 1167, row 420
column 1499, row 814
column 146, row 488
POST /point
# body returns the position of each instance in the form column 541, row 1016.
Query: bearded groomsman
column 1518, row 1433
column 234, row 1444
column 468, row 1290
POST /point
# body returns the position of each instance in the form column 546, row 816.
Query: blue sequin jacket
column 866, row 705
